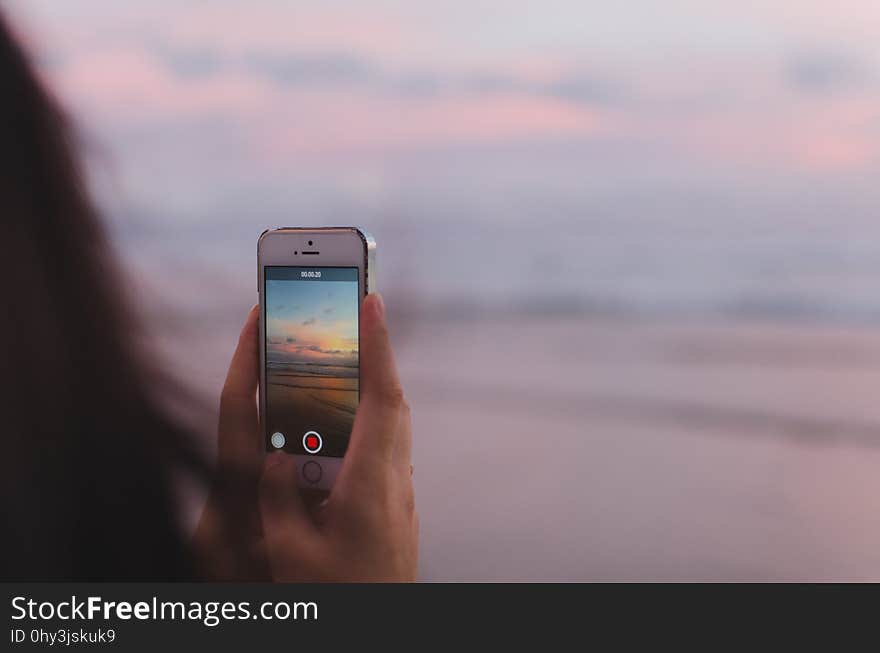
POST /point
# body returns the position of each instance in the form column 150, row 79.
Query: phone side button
column 312, row 472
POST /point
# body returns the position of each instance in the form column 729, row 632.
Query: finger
column 286, row 522
column 239, row 418
column 403, row 446
column 375, row 432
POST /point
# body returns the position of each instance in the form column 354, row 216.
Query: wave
column 313, row 370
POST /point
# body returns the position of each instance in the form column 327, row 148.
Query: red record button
column 312, row 441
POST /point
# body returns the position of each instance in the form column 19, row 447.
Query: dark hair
column 88, row 454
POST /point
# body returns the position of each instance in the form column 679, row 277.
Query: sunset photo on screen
column 312, row 354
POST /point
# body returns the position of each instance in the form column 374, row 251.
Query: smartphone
column 312, row 282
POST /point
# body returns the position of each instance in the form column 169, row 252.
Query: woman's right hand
column 367, row 529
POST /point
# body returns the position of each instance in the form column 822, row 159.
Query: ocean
column 799, row 255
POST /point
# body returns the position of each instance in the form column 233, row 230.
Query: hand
column 367, row 530
column 257, row 528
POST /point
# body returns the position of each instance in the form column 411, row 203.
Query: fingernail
column 275, row 458
column 247, row 320
column 380, row 305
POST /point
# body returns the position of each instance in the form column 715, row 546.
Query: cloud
column 318, row 350
column 310, row 321
column 290, row 340
column 303, row 69
column 583, row 89
column 193, row 63
column 823, row 73
column 310, row 68
column 313, row 353
column 329, row 310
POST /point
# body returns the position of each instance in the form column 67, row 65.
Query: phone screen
column 311, row 353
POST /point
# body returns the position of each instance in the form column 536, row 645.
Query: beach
column 630, row 259
column 612, row 449
column 318, row 398
column 659, row 451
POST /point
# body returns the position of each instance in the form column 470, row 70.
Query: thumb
column 287, row 526
column 375, row 431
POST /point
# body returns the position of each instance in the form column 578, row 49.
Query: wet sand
column 572, row 449
column 301, row 403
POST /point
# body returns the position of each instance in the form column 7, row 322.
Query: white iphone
column 311, row 284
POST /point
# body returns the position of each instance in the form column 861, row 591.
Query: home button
column 312, row 471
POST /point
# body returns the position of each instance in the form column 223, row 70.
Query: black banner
column 249, row 617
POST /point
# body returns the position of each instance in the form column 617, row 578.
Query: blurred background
column 631, row 251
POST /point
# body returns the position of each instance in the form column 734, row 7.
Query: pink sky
column 792, row 88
